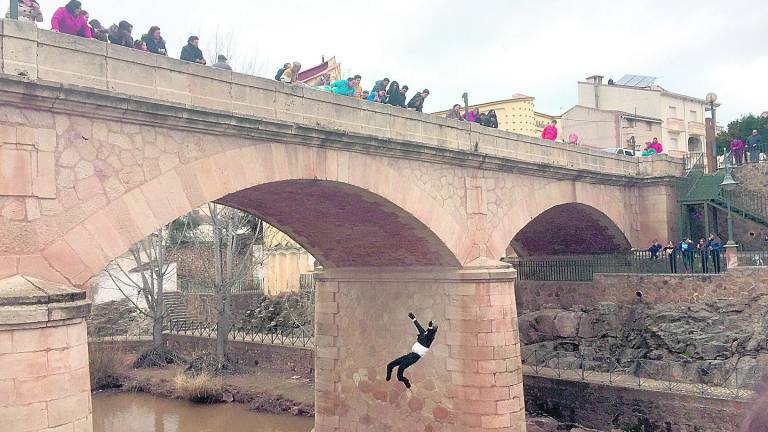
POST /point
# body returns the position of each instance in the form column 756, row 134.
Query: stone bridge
column 101, row 145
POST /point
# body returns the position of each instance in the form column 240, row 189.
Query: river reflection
column 138, row 412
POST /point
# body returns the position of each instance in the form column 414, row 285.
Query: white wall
column 105, row 288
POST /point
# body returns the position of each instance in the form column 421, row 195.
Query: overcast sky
column 492, row 48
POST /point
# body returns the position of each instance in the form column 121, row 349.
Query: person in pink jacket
column 70, row 20
column 550, row 131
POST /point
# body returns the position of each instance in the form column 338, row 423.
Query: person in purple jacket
column 737, row 148
column 70, row 20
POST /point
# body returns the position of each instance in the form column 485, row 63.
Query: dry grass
column 200, row 388
column 106, row 367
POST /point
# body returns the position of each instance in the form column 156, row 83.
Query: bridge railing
column 723, row 380
column 584, row 267
column 133, row 81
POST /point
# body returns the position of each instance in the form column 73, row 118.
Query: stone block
column 61, row 256
column 39, row 339
column 86, row 63
column 67, row 359
column 42, row 389
column 16, row 172
column 131, row 72
column 45, row 139
column 19, row 49
column 23, row 365
column 24, row 418
column 84, row 425
column 496, row 421
column 68, row 409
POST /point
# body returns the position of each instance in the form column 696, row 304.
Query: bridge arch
column 348, row 210
column 568, row 229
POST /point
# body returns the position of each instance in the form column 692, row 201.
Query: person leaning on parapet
column 378, row 97
column 737, row 150
column 550, row 131
column 380, row 85
column 455, row 113
column 120, row 34
column 221, row 63
column 754, row 144
column 140, row 45
column 97, row 30
column 280, row 71
column 714, row 247
column 345, row 87
column 70, row 20
column 655, row 249
column 191, row 53
column 396, row 94
column 29, row 10
column 671, row 250
column 291, row 73
column 155, row 42
column 490, row 120
column 417, row 101
column 472, row 116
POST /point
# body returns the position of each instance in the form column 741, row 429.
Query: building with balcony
column 682, row 117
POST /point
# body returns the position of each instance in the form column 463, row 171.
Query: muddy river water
column 138, row 412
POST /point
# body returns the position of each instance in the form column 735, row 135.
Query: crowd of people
column 474, row 115
column 705, row 250
column 384, row 91
column 751, row 146
column 72, row 19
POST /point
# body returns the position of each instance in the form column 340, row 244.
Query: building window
column 673, row 112
column 673, row 142
column 631, row 123
column 649, row 126
column 694, row 115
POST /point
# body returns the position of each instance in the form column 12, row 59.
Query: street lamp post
column 711, row 98
column 14, row 9
column 729, row 184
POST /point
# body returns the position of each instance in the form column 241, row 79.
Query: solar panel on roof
column 636, row 81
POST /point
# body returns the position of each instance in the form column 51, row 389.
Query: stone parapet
column 44, row 379
column 41, row 55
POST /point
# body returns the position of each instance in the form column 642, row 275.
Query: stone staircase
column 178, row 316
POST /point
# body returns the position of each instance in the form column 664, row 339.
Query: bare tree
column 233, row 235
column 147, row 278
column 241, row 60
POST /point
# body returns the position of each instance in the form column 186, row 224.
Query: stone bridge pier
column 471, row 379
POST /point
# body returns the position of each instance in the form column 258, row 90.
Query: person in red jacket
column 69, row 19
column 550, row 131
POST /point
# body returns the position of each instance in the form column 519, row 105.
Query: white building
column 682, row 117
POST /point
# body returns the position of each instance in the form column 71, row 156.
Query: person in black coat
column 491, row 120
column 396, row 94
column 155, row 42
column 418, row 350
column 121, row 35
column 191, row 52
column 417, row 101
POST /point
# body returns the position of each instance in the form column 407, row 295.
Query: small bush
column 157, row 357
column 208, row 363
column 106, row 367
column 200, row 388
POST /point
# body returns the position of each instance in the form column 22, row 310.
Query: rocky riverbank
column 717, row 342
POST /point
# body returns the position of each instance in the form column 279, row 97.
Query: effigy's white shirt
column 419, row 349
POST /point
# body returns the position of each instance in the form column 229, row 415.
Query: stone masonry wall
column 44, row 381
column 656, row 289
